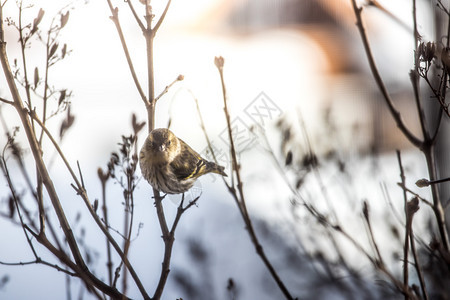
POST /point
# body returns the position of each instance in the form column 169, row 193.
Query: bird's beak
column 161, row 148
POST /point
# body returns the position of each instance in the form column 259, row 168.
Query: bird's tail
column 215, row 168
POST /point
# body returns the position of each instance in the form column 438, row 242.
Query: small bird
column 170, row 165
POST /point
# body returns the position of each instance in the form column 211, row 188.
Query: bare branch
column 411, row 208
column 390, row 14
column 179, row 78
column 168, row 239
column 371, row 234
column 6, row 101
column 40, row 261
column 240, row 200
column 161, row 19
column 15, row 198
column 138, row 20
column 407, row 231
column 395, row 113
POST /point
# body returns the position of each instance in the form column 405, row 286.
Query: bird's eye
column 169, row 142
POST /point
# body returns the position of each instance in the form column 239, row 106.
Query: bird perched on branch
column 170, row 165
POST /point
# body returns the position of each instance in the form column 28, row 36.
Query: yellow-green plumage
column 170, row 165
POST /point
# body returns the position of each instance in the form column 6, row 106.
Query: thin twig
column 6, row 101
column 426, row 145
column 219, row 62
column 103, row 179
column 371, row 234
column 24, row 61
column 416, row 195
column 136, row 17
column 81, row 175
column 376, row 263
column 425, row 182
column 416, row 261
column 128, row 222
column 441, row 100
column 181, row 210
column 16, row 199
column 407, row 227
column 166, row 89
column 43, row 262
column 27, row 179
column 202, row 125
column 161, row 19
column 115, row 19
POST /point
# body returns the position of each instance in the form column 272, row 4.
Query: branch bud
column 422, row 183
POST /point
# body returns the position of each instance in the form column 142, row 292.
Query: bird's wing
column 188, row 164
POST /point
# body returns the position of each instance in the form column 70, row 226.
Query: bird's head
column 161, row 146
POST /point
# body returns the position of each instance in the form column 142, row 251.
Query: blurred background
column 298, row 82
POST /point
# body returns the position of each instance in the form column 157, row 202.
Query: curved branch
column 395, row 113
column 6, row 101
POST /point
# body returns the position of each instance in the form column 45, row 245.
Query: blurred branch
column 40, row 261
column 414, row 77
column 15, row 197
column 402, row 24
column 416, row 195
column 103, row 179
column 411, row 208
column 378, row 265
column 323, row 220
column 427, row 144
column 202, row 125
column 371, row 234
column 17, row 153
column 407, row 231
column 6, row 101
column 23, row 43
column 395, row 113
